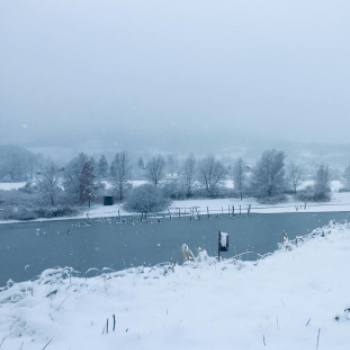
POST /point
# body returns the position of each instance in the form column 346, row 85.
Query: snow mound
column 293, row 299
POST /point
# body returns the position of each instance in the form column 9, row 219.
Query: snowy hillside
column 295, row 299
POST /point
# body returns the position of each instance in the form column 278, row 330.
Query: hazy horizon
column 173, row 76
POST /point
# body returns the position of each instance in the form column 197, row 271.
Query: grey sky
column 175, row 74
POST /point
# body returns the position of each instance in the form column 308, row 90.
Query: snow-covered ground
column 340, row 202
column 7, row 186
column 134, row 183
column 294, row 299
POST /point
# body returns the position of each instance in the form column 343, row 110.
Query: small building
column 108, row 200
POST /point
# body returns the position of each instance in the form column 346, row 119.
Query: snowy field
column 339, row 202
column 298, row 298
column 7, row 186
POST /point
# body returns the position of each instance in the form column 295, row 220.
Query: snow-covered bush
column 306, row 195
column 277, row 198
column 174, row 190
column 147, row 198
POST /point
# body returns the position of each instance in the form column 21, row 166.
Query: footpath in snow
column 297, row 298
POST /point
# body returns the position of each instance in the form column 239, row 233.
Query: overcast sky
column 178, row 74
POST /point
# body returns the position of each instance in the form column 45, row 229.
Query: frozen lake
column 28, row 248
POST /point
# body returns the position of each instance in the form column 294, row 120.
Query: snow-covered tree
column 189, row 170
column 211, row 173
column 268, row 174
column 171, row 164
column 102, row 167
column 294, row 176
column 322, row 186
column 345, row 180
column 48, row 182
column 120, row 172
column 73, row 178
column 17, row 163
column 155, row 170
column 87, row 183
column 239, row 177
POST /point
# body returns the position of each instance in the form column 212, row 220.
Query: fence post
column 179, row 213
column 233, row 210
column 208, row 211
column 219, row 238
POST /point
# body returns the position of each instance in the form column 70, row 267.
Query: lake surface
column 28, row 248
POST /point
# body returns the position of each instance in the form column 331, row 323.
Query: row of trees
column 17, row 163
column 83, row 179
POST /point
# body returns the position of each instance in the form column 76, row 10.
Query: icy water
column 26, row 249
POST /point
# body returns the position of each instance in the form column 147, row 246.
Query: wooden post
column 233, row 210
column 249, row 208
column 208, row 212
column 219, row 238
column 118, row 214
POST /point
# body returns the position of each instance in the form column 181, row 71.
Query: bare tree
column 268, row 174
column 294, row 176
column 322, row 186
column 48, row 182
column 155, row 170
column 141, row 164
column 239, row 176
column 211, row 173
column 120, row 172
column 189, row 173
column 345, row 180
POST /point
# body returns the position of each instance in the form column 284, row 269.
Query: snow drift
column 297, row 298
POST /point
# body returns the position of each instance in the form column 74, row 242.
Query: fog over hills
column 179, row 77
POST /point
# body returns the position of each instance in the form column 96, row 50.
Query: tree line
column 83, row 180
